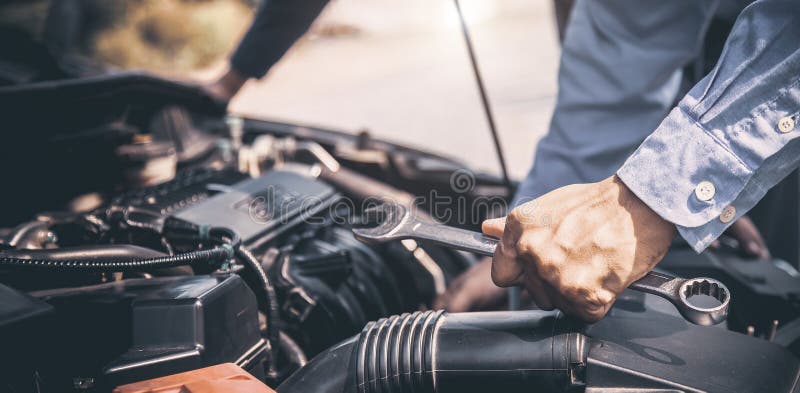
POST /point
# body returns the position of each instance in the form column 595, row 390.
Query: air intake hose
column 432, row 351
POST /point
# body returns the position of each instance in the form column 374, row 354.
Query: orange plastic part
column 222, row 378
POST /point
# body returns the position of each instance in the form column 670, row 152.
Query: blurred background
column 399, row 69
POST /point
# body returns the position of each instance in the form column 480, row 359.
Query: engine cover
column 116, row 333
column 261, row 208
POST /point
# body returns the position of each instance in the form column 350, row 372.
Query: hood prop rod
column 484, row 99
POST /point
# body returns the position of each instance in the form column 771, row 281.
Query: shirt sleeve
column 733, row 136
column 275, row 28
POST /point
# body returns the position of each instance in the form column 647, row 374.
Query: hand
column 226, row 86
column 578, row 247
column 473, row 290
column 748, row 237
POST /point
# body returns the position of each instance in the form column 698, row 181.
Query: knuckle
column 577, row 286
column 513, row 219
column 549, row 272
column 604, row 297
column 534, row 240
column 572, row 292
column 596, row 305
column 595, row 313
column 524, row 246
column 520, row 216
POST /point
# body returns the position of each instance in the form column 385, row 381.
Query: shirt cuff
column 667, row 170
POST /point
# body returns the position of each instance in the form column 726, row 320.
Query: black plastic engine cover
column 23, row 327
column 651, row 349
column 138, row 329
column 261, row 208
column 763, row 290
column 655, row 350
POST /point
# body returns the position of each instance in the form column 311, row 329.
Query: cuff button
column 728, row 213
column 786, row 124
column 705, row 191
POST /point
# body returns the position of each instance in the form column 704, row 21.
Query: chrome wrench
column 394, row 222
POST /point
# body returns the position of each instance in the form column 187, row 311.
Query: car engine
column 190, row 239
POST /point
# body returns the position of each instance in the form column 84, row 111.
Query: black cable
column 230, row 245
column 293, row 352
column 484, row 99
column 272, row 310
column 213, row 257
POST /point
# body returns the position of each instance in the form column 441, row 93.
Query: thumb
column 494, row 227
column 505, row 269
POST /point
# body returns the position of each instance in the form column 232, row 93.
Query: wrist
column 227, row 85
column 233, row 80
column 640, row 211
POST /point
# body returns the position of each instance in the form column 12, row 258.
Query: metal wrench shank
column 399, row 224
column 676, row 290
column 457, row 238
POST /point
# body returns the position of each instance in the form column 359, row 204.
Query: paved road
column 405, row 76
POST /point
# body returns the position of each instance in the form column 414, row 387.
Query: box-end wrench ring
column 394, row 222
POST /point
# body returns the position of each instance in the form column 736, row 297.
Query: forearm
column 733, row 136
column 275, row 28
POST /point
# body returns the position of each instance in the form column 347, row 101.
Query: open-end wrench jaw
column 385, row 221
column 395, row 222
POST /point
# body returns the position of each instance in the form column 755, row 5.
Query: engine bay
column 192, row 239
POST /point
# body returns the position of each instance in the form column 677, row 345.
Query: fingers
column 580, row 295
column 748, row 236
column 551, row 246
column 540, row 291
column 583, row 308
column 506, row 269
column 590, row 308
column 494, row 227
column 583, row 303
column 575, row 291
